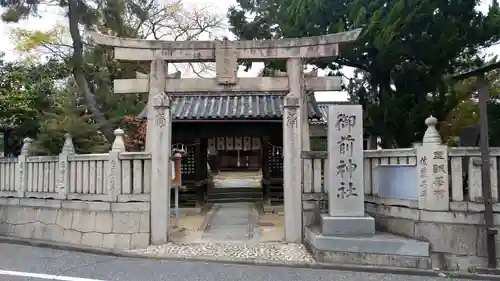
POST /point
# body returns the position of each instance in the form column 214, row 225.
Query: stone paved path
column 232, row 222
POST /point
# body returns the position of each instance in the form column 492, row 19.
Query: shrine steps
column 232, row 195
column 381, row 249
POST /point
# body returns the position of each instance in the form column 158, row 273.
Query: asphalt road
column 21, row 263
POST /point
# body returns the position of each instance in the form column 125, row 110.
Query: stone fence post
column 22, row 172
column 432, row 170
column 64, row 173
column 114, row 173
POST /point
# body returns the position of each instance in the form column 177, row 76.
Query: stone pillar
column 22, row 173
column 157, row 84
column 432, row 170
column 63, row 177
column 346, row 202
column 161, row 178
column 114, row 173
column 292, row 146
column 306, row 144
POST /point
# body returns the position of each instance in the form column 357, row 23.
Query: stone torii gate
column 226, row 55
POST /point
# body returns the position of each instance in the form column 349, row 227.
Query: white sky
column 50, row 19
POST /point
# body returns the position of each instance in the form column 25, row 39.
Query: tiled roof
column 235, row 107
column 323, row 110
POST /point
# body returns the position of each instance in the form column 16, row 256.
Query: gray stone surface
column 454, row 245
column 232, row 222
column 448, row 238
column 344, row 178
column 73, row 264
column 380, row 243
column 86, row 226
column 370, row 259
column 347, row 225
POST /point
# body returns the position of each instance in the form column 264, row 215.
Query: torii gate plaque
column 226, row 63
column 226, row 54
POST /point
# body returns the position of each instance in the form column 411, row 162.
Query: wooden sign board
column 176, row 173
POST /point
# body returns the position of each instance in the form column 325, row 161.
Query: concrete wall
column 456, row 237
column 97, row 224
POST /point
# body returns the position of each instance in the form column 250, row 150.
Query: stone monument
column 346, row 229
column 346, row 200
column 432, row 170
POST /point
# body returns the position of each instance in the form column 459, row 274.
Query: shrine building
column 240, row 136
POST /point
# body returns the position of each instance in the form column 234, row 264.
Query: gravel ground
column 285, row 252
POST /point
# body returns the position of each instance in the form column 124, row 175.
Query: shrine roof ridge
column 232, row 107
column 328, row 39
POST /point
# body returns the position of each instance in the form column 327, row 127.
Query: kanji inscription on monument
column 432, row 169
column 423, row 175
column 345, row 160
column 226, row 62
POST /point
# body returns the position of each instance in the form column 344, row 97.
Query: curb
column 316, row 265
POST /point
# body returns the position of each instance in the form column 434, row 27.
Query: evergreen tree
column 405, row 51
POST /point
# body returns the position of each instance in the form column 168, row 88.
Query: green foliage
column 91, row 68
column 466, row 114
column 403, row 53
column 68, row 117
column 33, row 104
column 98, row 66
column 26, row 93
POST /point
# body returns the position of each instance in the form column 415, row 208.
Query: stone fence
column 431, row 193
column 98, row 200
column 117, row 176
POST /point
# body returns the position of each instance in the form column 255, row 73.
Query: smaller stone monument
column 432, row 170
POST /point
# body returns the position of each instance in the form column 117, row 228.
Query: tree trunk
column 79, row 75
column 385, row 96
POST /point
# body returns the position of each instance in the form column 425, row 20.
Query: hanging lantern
column 179, row 147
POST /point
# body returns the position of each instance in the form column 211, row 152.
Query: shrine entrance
column 235, row 153
column 235, row 164
column 294, row 124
